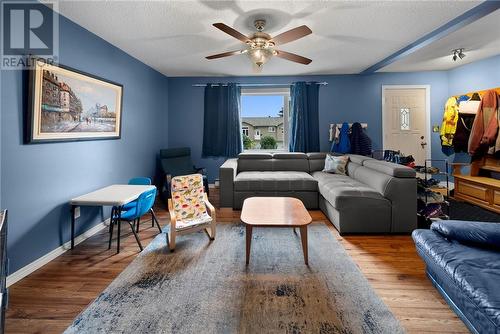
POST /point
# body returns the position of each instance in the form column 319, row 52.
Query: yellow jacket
column 450, row 119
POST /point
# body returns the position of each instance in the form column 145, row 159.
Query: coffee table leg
column 249, row 242
column 303, row 237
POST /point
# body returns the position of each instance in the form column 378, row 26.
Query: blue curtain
column 304, row 117
column 222, row 124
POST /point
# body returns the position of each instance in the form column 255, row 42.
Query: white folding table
column 116, row 196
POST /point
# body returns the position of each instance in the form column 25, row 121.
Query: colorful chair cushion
column 188, row 223
column 188, row 199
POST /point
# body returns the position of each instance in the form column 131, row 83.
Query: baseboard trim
column 40, row 262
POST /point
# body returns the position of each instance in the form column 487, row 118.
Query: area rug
column 205, row 287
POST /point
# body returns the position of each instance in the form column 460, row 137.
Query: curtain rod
column 324, row 83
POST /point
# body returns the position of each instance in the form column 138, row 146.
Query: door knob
column 423, row 144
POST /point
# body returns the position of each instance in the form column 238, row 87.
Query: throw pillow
column 336, row 164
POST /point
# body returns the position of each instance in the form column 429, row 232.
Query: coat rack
column 470, row 107
column 339, row 125
column 480, row 92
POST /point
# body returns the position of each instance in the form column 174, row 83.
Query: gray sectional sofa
column 375, row 197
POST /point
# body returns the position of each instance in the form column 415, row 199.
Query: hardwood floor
column 49, row 299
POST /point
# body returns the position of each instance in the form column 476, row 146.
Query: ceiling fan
column 261, row 46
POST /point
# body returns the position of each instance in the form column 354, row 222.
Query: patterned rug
column 205, row 287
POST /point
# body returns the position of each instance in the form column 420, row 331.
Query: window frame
column 280, row 91
column 245, row 128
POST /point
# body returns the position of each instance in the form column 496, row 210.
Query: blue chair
column 132, row 215
column 145, row 181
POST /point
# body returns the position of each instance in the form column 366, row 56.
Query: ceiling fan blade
column 291, row 35
column 224, row 54
column 293, row 57
column 230, row 31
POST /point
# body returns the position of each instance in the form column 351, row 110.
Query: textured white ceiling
column 480, row 39
column 174, row 36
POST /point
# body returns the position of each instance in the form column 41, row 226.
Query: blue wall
column 346, row 98
column 372, row 91
column 186, row 110
column 350, row 98
column 479, row 75
column 38, row 180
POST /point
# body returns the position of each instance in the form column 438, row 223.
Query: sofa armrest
column 468, row 232
column 227, row 174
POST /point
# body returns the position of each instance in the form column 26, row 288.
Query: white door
column 405, row 122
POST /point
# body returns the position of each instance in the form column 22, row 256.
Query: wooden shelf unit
column 479, row 188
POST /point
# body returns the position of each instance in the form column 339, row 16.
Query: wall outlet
column 77, row 212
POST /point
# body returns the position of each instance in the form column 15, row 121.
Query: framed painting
column 70, row 105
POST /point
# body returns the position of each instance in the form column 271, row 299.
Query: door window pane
column 405, row 119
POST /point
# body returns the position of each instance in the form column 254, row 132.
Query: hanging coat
column 360, row 143
column 485, row 128
column 344, row 145
column 497, row 143
column 449, row 125
column 464, row 127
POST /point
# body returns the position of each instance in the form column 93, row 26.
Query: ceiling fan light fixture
column 260, row 46
column 260, row 56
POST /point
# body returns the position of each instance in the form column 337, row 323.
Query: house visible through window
column 264, row 118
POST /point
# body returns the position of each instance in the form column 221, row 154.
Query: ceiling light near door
column 458, row 53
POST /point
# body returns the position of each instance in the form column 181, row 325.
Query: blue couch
column 463, row 263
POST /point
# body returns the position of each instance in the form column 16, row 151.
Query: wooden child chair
column 189, row 208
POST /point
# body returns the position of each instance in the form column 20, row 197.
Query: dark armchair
column 174, row 162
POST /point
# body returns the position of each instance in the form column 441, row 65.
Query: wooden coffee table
column 275, row 212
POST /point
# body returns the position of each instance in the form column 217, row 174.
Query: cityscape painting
column 70, row 105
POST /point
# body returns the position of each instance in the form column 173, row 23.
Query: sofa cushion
column 255, row 162
column 290, row 155
column 390, row 168
column 336, row 164
column 316, row 161
column 474, row 271
column 351, row 168
column 290, row 162
column 359, row 159
column 316, row 155
column 275, row 181
column 341, row 191
column 479, row 234
column 256, row 155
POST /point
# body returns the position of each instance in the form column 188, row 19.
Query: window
column 405, row 119
column 265, row 113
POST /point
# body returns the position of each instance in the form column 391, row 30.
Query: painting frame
column 34, row 117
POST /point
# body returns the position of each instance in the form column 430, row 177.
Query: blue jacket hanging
column 344, row 144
